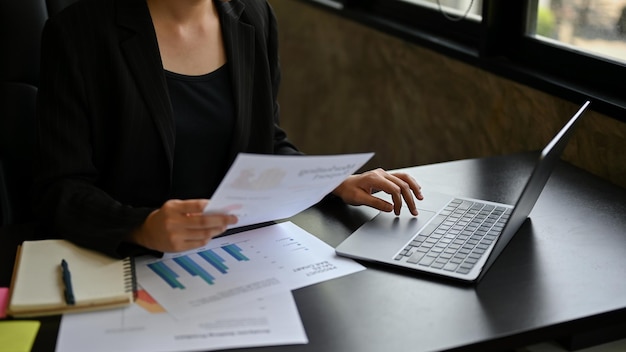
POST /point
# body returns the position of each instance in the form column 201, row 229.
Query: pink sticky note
column 4, row 299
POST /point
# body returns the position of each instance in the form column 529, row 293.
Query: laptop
column 454, row 237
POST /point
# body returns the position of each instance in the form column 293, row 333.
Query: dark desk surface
column 563, row 274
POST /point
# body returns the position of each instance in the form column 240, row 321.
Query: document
column 239, row 268
column 261, row 188
column 145, row 326
column 162, row 318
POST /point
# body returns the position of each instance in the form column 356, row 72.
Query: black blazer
column 105, row 127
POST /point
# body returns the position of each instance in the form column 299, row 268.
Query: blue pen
column 67, row 281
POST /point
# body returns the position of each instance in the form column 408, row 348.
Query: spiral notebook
column 97, row 281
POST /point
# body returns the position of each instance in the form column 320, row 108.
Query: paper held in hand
column 262, row 188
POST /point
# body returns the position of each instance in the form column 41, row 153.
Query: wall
column 349, row 88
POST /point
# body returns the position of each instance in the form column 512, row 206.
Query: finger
column 198, row 227
column 407, row 188
column 189, row 206
column 396, row 196
column 208, row 221
column 195, row 238
column 376, row 203
column 204, row 234
column 397, row 189
column 414, row 186
column 187, row 245
column 407, row 194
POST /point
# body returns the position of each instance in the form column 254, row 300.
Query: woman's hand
column 358, row 190
column 180, row 225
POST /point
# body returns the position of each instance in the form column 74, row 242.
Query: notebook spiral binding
column 130, row 277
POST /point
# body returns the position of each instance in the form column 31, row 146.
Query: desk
column 562, row 275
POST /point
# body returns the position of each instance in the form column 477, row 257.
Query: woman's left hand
column 358, row 189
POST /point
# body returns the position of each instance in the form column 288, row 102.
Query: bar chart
column 237, row 268
column 195, row 268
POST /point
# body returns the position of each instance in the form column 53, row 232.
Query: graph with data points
column 239, row 267
column 195, row 268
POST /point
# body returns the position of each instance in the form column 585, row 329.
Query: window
column 573, row 46
column 596, row 27
column 574, row 49
column 454, row 10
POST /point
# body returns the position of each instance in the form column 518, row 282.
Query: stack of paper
column 236, row 291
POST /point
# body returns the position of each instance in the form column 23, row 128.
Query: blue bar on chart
column 194, row 269
column 215, row 260
column 167, row 274
column 235, row 252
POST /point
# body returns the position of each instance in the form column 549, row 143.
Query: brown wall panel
column 350, row 88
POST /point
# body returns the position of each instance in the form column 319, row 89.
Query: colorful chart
column 195, row 268
column 145, row 301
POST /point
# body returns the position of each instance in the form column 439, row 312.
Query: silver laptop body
column 454, row 237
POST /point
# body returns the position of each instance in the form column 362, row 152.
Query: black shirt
column 204, row 114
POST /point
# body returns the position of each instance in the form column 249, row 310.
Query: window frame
column 499, row 44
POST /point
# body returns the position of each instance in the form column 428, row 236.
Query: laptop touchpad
column 384, row 235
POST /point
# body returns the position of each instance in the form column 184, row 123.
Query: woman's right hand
column 180, row 225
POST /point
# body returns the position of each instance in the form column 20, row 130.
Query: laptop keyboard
column 457, row 237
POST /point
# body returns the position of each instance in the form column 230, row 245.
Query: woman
column 142, row 107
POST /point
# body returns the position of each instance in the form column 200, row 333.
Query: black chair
column 21, row 23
